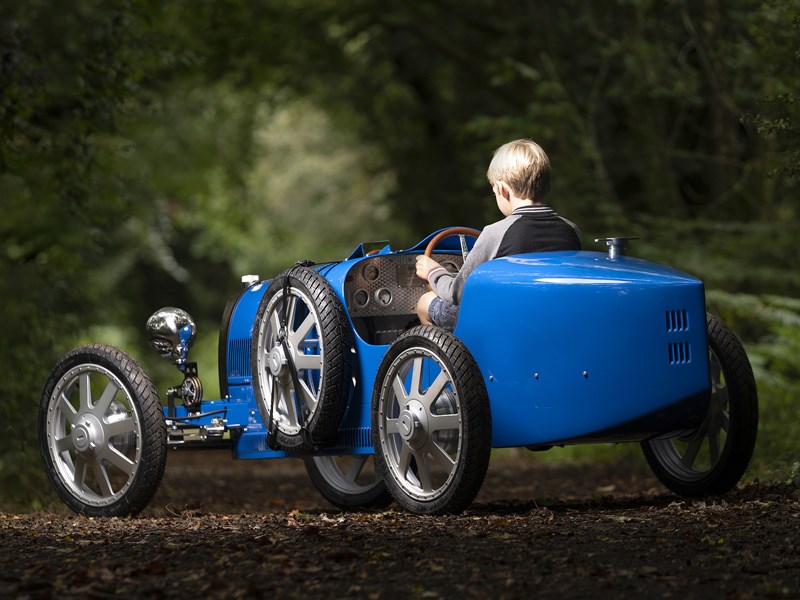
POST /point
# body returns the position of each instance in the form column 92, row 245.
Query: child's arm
column 425, row 265
column 449, row 286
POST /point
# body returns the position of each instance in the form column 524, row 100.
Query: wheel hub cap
column 87, row 435
column 276, row 360
column 413, row 425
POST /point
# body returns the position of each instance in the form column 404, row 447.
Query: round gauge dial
column 370, row 272
column 383, row 297
column 360, row 298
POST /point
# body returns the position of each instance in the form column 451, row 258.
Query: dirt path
column 238, row 529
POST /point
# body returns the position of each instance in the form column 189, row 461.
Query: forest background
column 153, row 152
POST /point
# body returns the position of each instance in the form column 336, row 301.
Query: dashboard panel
column 388, row 285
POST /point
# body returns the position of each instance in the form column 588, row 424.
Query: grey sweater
column 527, row 229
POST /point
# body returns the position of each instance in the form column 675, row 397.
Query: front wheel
column 431, row 422
column 712, row 458
column 102, row 435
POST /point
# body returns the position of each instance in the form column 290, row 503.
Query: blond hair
column 524, row 166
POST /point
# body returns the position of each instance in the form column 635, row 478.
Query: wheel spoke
column 292, row 312
column 726, row 421
column 713, row 447
column 119, row 460
column 308, row 362
column 85, row 386
column 404, row 460
column 275, row 324
column 64, row 444
column 722, row 395
column 691, row 452
column 287, row 398
column 69, row 413
column 416, row 377
column 440, row 456
column 302, row 331
column 399, row 390
column 120, row 427
column 423, row 471
column 392, row 426
column 716, row 370
column 101, row 475
column 355, row 469
column 439, row 422
column 308, row 397
column 432, row 393
column 79, row 476
column 102, row 404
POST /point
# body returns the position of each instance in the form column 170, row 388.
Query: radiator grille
column 677, row 320
column 239, row 358
column 355, row 437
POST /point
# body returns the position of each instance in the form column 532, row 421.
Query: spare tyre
column 301, row 361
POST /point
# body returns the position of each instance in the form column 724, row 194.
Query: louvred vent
column 679, row 352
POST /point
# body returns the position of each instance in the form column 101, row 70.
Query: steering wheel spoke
column 450, row 232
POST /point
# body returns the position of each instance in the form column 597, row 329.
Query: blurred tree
column 150, row 153
column 66, row 73
column 644, row 117
column 242, row 181
column 777, row 34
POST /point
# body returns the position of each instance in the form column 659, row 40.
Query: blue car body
column 573, row 347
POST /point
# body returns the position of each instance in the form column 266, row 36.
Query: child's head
column 524, row 166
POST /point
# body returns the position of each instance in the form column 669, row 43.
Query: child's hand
column 424, row 266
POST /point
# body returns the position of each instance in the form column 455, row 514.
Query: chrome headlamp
column 171, row 332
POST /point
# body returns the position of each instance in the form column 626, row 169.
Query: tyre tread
column 743, row 410
column 154, row 433
column 335, row 385
column 476, row 429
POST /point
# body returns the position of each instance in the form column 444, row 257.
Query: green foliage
column 776, row 115
column 67, row 72
column 151, row 154
column 771, row 327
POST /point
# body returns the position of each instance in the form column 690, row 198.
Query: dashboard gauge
column 383, row 297
column 360, row 298
column 450, row 266
column 370, row 272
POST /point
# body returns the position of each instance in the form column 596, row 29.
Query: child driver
column 520, row 178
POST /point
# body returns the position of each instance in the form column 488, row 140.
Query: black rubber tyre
column 320, row 346
column 431, row 422
column 348, row 482
column 713, row 458
column 102, row 435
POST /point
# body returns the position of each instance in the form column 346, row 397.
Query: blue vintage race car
column 328, row 362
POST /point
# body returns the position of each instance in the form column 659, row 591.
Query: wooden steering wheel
column 447, row 233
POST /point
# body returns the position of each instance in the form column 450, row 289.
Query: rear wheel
column 102, row 435
column 712, row 458
column 349, row 482
column 431, row 423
